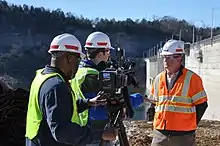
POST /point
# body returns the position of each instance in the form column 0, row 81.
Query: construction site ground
column 140, row 133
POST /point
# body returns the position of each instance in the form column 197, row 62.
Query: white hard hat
column 173, row 47
column 98, row 40
column 66, row 43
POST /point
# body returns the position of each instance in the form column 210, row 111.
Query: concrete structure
column 154, row 65
column 204, row 59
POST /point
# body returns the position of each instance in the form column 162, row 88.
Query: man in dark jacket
column 53, row 111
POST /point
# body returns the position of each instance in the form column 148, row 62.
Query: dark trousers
column 98, row 127
column 160, row 139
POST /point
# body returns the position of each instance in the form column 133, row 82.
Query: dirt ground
column 140, row 133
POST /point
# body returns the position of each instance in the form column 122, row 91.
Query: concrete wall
column 209, row 70
column 154, row 66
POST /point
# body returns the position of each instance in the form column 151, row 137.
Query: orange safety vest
column 175, row 109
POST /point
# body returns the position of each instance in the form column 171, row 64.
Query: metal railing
column 208, row 41
column 152, row 52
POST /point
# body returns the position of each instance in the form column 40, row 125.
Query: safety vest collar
column 180, row 77
column 160, row 80
column 180, row 72
column 50, row 69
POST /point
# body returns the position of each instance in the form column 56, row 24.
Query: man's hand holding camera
column 98, row 100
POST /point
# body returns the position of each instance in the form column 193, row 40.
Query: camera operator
column 98, row 48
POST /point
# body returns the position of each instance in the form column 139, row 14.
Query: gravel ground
column 140, row 133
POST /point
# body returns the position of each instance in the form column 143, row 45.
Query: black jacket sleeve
column 200, row 110
column 57, row 107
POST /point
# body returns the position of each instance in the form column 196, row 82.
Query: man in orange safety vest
column 179, row 99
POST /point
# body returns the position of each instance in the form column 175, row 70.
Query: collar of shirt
column 173, row 75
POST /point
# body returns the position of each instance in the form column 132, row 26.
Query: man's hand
column 98, row 100
column 146, row 99
column 110, row 134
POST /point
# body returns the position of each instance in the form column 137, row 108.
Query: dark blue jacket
column 56, row 104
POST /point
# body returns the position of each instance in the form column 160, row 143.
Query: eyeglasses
column 171, row 56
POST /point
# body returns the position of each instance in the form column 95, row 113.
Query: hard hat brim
column 169, row 53
column 166, row 53
column 93, row 47
column 82, row 55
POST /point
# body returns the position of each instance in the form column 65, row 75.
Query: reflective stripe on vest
column 34, row 114
column 174, row 109
column 76, row 86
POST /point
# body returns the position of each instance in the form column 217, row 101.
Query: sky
column 198, row 12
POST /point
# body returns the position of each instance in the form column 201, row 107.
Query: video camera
column 118, row 75
column 114, row 82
